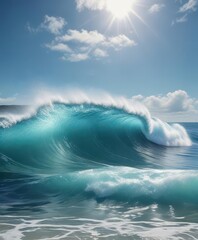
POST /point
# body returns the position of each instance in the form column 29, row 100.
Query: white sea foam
column 124, row 226
column 151, row 185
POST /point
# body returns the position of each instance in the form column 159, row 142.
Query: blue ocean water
column 97, row 171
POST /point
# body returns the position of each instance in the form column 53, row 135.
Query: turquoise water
column 94, row 171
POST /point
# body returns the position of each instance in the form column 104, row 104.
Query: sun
column 119, row 8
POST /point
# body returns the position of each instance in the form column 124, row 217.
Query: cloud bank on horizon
column 173, row 106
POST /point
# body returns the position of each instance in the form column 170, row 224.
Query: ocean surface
column 97, row 170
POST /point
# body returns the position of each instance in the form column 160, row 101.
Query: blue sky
column 60, row 44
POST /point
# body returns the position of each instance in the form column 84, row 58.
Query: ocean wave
column 118, row 184
column 154, row 129
column 64, row 137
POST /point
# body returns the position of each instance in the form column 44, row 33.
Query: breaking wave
column 95, row 148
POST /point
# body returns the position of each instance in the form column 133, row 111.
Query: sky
column 145, row 50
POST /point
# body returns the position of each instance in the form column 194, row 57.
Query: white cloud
column 83, row 36
column 177, row 101
column 76, row 57
column 91, row 4
column 191, row 5
column 185, row 9
column 120, row 41
column 51, row 24
column 80, row 45
column 156, row 7
column 100, row 53
column 96, row 38
column 182, row 19
column 59, row 47
column 175, row 106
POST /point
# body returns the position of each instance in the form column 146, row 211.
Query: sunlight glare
column 119, row 8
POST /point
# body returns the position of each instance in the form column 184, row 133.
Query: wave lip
column 168, row 134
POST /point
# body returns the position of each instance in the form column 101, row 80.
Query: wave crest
column 154, row 129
